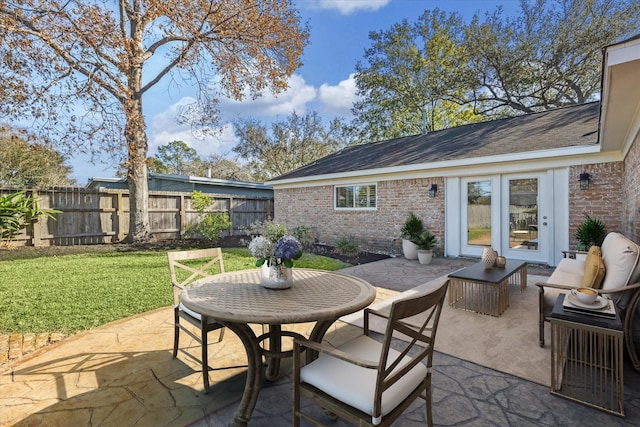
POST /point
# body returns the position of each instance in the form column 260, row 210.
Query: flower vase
column 276, row 276
column 489, row 257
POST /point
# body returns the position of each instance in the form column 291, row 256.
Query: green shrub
column 426, row 241
column 269, row 229
column 305, row 235
column 412, row 228
column 347, row 246
column 211, row 224
column 17, row 211
column 590, row 232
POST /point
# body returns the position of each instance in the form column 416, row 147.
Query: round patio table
column 237, row 299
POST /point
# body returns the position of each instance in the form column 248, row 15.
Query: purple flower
column 287, row 248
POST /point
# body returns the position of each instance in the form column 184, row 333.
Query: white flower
column 261, row 247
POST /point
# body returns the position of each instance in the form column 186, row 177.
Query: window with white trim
column 355, row 196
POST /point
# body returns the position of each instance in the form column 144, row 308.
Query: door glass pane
column 523, row 213
column 479, row 213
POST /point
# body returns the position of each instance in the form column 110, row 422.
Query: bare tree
column 78, row 69
column 292, row 143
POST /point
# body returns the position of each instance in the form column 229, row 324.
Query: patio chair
column 620, row 281
column 186, row 267
column 367, row 382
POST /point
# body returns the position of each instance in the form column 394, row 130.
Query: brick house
column 521, row 184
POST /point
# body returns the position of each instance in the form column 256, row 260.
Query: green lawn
column 44, row 292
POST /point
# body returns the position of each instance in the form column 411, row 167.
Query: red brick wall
column 375, row 230
column 603, row 200
column 613, row 197
column 631, row 183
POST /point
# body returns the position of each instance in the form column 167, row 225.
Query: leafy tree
column 79, row 69
column 31, row 165
column 211, row 224
column 547, row 57
column 292, row 143
column 154, row 165
column 412, row 78
column 223, row 168
column 178, row 158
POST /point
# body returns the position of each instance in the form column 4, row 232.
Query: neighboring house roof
column 167, row 182
column 560, row 128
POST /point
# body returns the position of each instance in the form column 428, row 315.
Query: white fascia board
column 623, row 52
column 532, row 160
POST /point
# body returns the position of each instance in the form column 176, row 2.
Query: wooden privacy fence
column 102, row 216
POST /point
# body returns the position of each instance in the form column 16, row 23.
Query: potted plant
column 590, row 232
column 410, row 231
column 425, row 243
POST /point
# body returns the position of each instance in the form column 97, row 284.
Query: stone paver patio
column 123, row 374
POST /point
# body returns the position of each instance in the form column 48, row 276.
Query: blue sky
column 339, row 35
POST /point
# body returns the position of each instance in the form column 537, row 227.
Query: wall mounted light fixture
column 584, row 181
column 433, row 190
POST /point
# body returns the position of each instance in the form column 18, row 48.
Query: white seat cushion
column 355, row 385
column 195, row 315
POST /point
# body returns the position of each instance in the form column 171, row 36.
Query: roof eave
column 564, row 152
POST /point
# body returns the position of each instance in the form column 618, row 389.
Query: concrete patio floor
column 123, row 374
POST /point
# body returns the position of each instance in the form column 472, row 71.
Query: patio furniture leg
column 317, row 334
column 176, row 332
column 541, row 315
column 254, row 373
column 275, row 346
column 205, row 354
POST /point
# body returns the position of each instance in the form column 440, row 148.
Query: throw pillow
column 593, row 269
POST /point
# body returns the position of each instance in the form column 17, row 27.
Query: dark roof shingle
column 559, row 128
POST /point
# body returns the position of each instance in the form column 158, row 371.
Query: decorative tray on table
column 602, row 306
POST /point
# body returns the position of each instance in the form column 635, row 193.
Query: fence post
column 35, row 229
column 182, row 212
column 231, row 201
column 120, row 216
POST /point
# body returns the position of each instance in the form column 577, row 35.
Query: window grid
column 356, row 197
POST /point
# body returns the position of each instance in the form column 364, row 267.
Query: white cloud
column 165, row 128
column 339, row 99
column 348, row 6
column 295, row 98
column 330, row 100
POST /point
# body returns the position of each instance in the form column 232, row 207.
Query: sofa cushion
column 608, row 239
column 620, row 257
column 571, row 266
column 594, row 269
column 563, row 277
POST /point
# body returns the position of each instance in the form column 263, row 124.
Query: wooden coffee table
column 483, row 290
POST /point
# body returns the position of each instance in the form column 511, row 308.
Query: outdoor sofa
column 614, row 269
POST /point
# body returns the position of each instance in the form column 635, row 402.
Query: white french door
column 508, row 213
column 525, row 210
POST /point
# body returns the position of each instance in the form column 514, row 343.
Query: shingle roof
column 559, row 128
